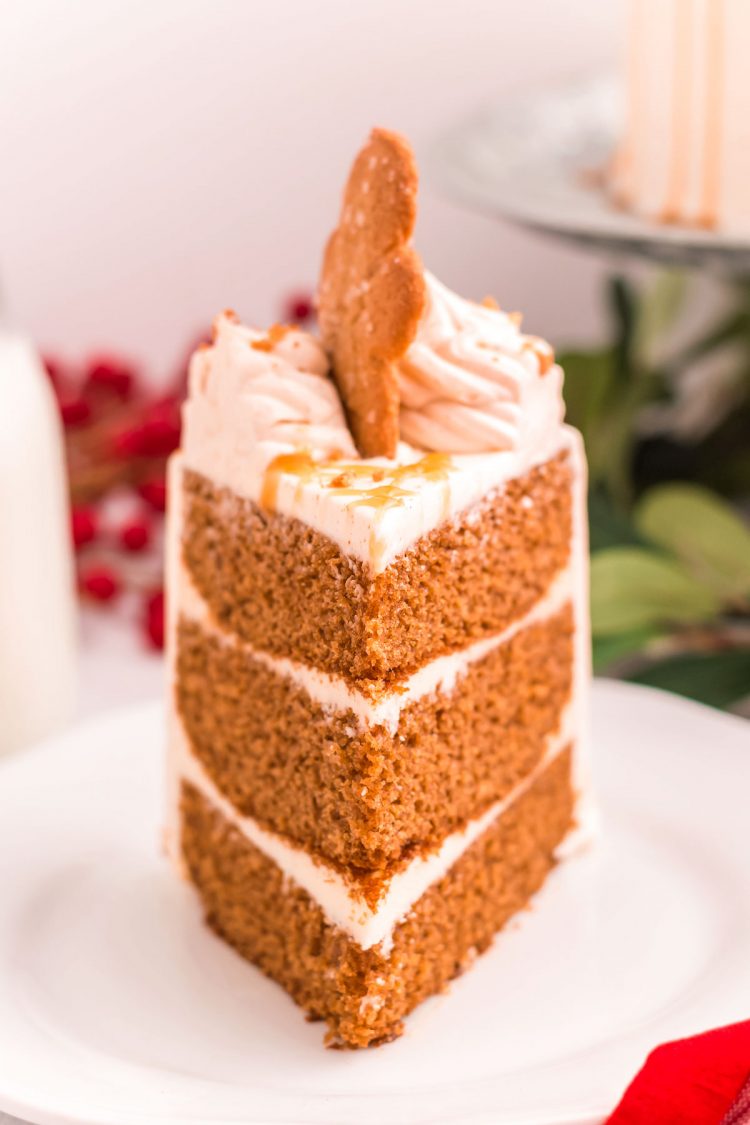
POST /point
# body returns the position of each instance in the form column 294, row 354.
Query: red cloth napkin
column 704, row 1080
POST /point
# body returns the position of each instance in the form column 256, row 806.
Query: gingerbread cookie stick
column 372, row 290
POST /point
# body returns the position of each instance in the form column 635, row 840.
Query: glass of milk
column 38, row 651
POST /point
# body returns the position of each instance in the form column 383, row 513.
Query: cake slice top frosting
column 279, row 418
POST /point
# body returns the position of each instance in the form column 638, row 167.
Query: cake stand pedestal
column 536, row 161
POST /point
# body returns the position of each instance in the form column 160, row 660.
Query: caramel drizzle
column 378, row 487
column 273, row 336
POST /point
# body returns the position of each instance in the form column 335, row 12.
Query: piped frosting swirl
column 472, row 382
column 255, row 396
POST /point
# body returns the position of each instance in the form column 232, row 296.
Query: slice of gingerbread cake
column 378, row 635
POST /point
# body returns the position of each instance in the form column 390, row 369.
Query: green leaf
column 610, row 650
column 719, row 679
column 623, row 304
column 659, row 309
column 632, row 588
column 703, row 531
column 603, row 408
column 588, row 376
column 609, row 526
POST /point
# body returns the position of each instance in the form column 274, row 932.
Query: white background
column 162, row 159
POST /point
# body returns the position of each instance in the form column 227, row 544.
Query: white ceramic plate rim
column 553, row 1094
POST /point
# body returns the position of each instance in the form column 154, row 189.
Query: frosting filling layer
column 374, row 705
column 340, row 896
column 381, row 508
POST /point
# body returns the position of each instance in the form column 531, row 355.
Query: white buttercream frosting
column 472, row 382
column 264, row 420
column 254, row 396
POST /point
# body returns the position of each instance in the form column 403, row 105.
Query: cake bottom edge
column 364, row 994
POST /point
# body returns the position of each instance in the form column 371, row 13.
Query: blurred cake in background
column 685, row 154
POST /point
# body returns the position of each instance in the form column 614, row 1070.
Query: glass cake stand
column 536, row 160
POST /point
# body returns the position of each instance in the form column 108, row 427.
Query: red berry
column 154, row 492
column 166, row 410
column 160, row 437
column 156, row 434
column 108, row 373
column 154, row 619
column 135, row 535
column 75, row 412
column 85, row 525
column 100, row 583
column 128, row 443
column 298, row 307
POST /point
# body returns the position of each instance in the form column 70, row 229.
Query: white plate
column 118, row 1007
column 530, row 159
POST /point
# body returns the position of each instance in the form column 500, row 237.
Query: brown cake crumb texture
column 362, row 994
column 290, row 591
column 366, row 797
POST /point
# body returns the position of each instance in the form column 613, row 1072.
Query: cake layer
column 367, row 905
column 365, row 794
column 363, row 993
column 289, row 590
column 374, row 702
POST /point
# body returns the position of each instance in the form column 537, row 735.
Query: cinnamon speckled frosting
column 472, row 382
column 481, row 404
column 255, row 395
